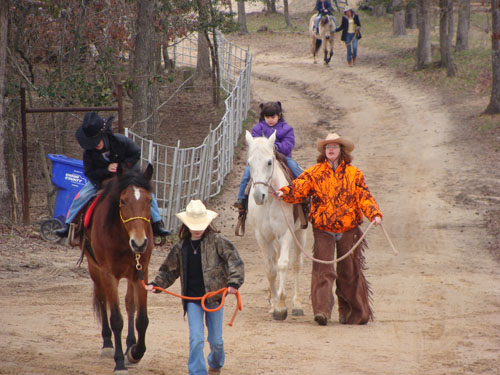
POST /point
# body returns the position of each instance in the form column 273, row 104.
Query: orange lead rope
column 222, row 291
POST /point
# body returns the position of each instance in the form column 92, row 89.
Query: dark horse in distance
column 118, row 243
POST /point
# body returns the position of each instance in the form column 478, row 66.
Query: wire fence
column 182, row 174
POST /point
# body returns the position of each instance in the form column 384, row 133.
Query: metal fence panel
column 182, row 174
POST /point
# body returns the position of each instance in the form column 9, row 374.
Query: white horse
column 271, row 230
column 325, row 39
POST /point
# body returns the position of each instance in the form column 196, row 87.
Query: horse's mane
column 130, row 177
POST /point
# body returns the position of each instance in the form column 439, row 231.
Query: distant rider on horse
column 323, row 7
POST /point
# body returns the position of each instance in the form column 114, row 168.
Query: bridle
column 125, row 221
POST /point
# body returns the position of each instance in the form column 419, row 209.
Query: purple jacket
column 285, row 138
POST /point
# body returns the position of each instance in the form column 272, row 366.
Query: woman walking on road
column 339, row 198
column 350, row 34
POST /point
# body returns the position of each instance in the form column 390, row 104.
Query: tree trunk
column 494, row 105
column 242, row 18
column 445, row 35
column 203, row 59
column 4, row 186
column 379, row 10
column 271, row 6
column 144, row 64
column 287, row 14
column 411, row 17
column 463, row 25
column 424, row 33
column 398, row 20
column 450, row 67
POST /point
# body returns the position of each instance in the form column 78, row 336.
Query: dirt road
column 437, row 304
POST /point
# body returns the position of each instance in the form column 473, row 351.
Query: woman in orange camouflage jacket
column 339, row 198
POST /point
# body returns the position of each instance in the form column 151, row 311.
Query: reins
column 222, row 291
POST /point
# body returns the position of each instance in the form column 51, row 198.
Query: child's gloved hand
column 150, row 287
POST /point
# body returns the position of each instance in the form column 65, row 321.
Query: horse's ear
column 148, row 173
column 279, row 103
column 261, row 105
column 272, row 139
column 249, row 138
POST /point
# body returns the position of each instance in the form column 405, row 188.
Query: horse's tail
column 318, row 44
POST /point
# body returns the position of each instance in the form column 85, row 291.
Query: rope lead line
column 222, row 291
column 343, row 256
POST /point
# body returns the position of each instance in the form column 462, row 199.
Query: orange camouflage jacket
column 338, row 199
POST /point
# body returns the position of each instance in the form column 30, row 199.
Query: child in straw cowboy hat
column 339, row 199
column 205, row 262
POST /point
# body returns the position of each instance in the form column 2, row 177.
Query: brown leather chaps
column 352, row 289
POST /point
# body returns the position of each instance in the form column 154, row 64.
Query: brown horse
column 325, row 38
column 118, row 244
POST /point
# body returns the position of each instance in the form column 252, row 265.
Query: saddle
column 300, row 210
column 77, row 235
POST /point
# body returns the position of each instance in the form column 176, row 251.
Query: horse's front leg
column 116, row 321
column 269, row 254
column 136, row 352
column 327, row 54
column 297, row 309
column 281, row 311
column 100, row 308
column 130, row 306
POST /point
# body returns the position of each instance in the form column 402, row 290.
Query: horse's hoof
column 297, row 312
column 121, row 372
column 107, row 352
column 130, row 360
column 280, row 315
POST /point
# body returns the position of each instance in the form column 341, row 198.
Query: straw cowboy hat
column 196, row 216
column 93, row 128
column 335, row 138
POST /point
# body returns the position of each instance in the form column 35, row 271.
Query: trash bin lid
column 55, row 158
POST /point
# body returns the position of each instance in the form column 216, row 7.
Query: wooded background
column 70, row 53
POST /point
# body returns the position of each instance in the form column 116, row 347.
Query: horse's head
column 261, row 161
column 135, row 206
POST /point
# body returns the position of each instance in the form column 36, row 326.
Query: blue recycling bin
column 68, row 177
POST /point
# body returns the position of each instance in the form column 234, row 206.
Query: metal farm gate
column 182, row 174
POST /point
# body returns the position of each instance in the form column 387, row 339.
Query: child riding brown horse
column 118, row 244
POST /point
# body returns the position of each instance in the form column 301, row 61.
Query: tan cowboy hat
column 196, row 216
column 335, row 138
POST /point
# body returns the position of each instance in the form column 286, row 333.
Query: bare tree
column 145, row 114
column 463, row 25
column 271, row 6
column 287, row 14
column 411, row 15
column 494, row 105
column 203, row 68
column 424, row 33
column 4, row 186
column 242, row 18
column 398, row 20
column 446, row 35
